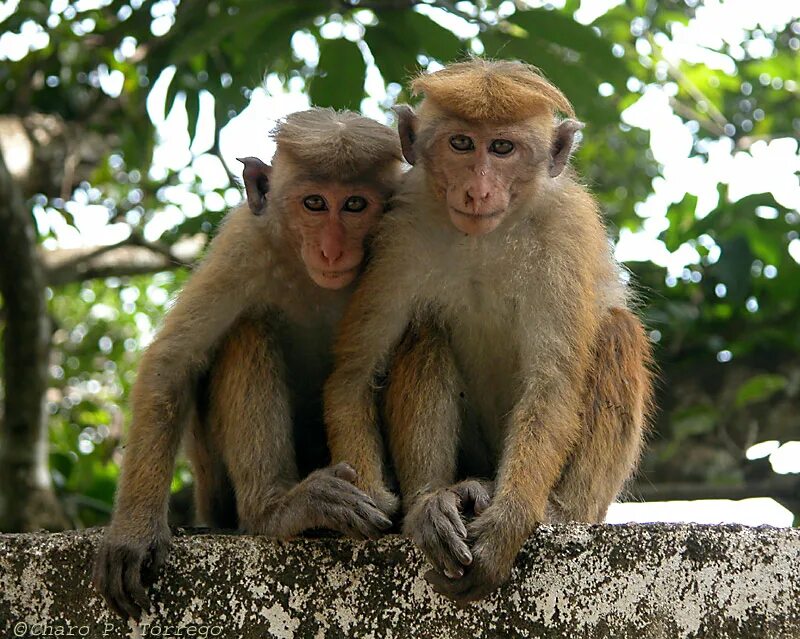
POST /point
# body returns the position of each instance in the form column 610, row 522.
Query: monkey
column 243, row 353
column 495, row 309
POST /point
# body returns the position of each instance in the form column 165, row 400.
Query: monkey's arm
column 250, row 422
column 376, row 317
column 542, row 430
column 615, row 410
column 423, row 418
column 137, row 539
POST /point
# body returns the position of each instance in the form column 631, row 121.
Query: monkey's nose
column 476, row 196
column 331, row 254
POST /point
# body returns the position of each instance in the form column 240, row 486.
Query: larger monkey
column 259, row 313
column 520, row 358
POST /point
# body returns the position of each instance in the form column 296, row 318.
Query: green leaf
column 434, row 40
column 695, row 420
column 681, row 218
column 340, row 79
column 733, row 267
column 594, row 50
column 758, row 388
column 192, row 112
column 400, row 36
column 393, row 57
column 212, row 31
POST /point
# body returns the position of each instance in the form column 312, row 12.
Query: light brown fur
column 515, row 321
column 498, row 91
column 243, row 353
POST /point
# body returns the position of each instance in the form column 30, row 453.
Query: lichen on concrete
column 631, row 581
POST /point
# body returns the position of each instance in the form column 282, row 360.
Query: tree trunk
column 27, row 500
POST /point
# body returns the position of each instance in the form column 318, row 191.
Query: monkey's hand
column 127, row 562
column 328, row 498
column 435, row 523
column 493, row 555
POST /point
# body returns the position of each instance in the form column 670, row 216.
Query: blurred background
column 120, row 121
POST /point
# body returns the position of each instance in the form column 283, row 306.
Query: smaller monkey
column 494, row 302
column 244, row 352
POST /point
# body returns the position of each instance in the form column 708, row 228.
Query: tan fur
column 522, row 304
column 617, row 403
column 497, row 91
column 424, row 430
column 332, row 145
column 252, row 321
column 246, row 422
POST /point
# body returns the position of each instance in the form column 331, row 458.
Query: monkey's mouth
column 335, row 275
column 478, row 216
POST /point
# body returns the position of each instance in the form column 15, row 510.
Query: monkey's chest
column 306, row 351
column 487, row 358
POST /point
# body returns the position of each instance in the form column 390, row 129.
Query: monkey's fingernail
column 464, row 556
column 454, row 575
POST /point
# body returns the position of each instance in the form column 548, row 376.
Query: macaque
column 244, row 352
column 493, row 301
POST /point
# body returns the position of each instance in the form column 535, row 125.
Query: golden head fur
column 488, row 90
column 338, row 145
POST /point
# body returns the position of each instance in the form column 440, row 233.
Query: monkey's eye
column 315, row 203
column 355, row 204
column 501, row 147
column 462, row 143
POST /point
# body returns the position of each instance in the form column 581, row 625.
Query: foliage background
column 81, row 155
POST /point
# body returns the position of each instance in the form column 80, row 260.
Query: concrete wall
column 576, row 581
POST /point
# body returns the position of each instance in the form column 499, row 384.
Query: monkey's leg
column 214, row 499
column 251, row 426
column 615, row 411
column 423, row 417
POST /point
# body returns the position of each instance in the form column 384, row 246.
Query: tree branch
column 26, row 498
column 133, row 256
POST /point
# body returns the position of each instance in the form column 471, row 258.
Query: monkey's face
column 333, row 221
column 479, row 170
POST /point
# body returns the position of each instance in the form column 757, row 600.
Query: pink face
column 333, row 221
column 480, row 168
column 478, row 171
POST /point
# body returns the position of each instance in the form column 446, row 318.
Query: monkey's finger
column 99, row 571
column 357, row 500
column 335, row 490
column 452, row 532
column 453, row 543
column 345, row 471
column 473, row 492
column 132, row 576
column 347, row 520
column 369, row 521
column 441, row 556
column 476, row 585
column 461, row 552
column 116, row 589
column 481, row 502
column 452, row 588
column 443, row 562
column 158, row 557
column 444, row 550
column 374, row 516
column 101, row 580
column 451, row 512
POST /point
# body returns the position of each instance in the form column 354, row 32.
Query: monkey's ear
column 563, row 142
column 256, row 183
column 407, row 129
